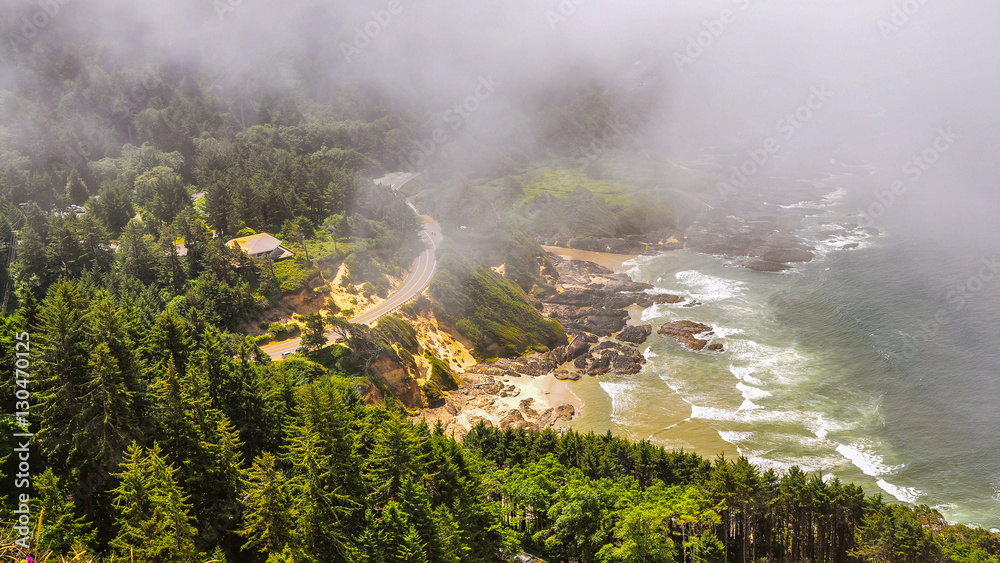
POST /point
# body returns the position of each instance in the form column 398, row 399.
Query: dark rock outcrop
column 610, row 356
column 635, row 334
column 765, row 266
column 565, row 375
column 595, row 320
column 788, row 255
column 684, row 332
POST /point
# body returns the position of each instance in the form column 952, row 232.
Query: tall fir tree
column 154, row 524
column 61, row 530
column 268, row 520
column 63, row 373
column 76, row 190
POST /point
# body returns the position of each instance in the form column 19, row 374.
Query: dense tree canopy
column 164, row 433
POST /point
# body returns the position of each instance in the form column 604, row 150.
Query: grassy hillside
column 492, row 312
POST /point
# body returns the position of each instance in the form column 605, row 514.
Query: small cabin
column 261, row 244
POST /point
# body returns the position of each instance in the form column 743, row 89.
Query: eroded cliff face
column 398, row 380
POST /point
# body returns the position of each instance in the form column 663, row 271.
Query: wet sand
column 667, row 423
column 606, row 259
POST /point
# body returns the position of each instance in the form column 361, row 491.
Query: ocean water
column 868, row 364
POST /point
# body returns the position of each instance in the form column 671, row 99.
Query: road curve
column 418, row 280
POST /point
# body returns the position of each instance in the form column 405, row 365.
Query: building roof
column 256, row 244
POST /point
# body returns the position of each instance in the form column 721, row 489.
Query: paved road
column 396, row 179
column 418, row 280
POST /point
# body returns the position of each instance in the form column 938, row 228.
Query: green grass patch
column 492, row 312
column 558, row 182
column 441, row 375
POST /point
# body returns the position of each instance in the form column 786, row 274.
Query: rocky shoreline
column 591, row 302
column 763, row 239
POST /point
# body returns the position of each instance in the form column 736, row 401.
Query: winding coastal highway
column 418, row 280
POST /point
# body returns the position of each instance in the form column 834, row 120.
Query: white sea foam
column 822, row 426
column 858, row 237
column 746, row 416
column 649, row 353
column 750, row 350
column 803, row 205
column 631, row 266
column 827, row 200
column 622, row 399
column 863, row 458
column 708, row 288
column 778, row 365
column 723, row 332
column 835, row 196
column 748, row 405
column 734, row 437
column 752, row 392
column 743, row 372
column 904, row 494
column 764, row 463
column 654, row 312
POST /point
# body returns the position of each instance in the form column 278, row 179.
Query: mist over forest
column 195, row 398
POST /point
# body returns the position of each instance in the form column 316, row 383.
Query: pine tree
column 61, row 529
column 395, row 459
column 219, row 207
column 64, row 252
column 62, row 372
column 398, row 541
column 138, row 253
column 234, row 388
column 319, row 503
column 107, row 411
column 114, row 207
column 178, row 416
column 220, row 486
column 313, row 334
column 32, row 268
column 28, row 310
column 153, row 522
column 76, row 190
column 269, row 521
column 168, row 339
column 94, row 244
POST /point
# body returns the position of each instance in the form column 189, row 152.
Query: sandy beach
column 504, row 395
column 606, row 259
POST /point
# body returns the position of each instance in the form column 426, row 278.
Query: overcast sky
column 723, row 73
